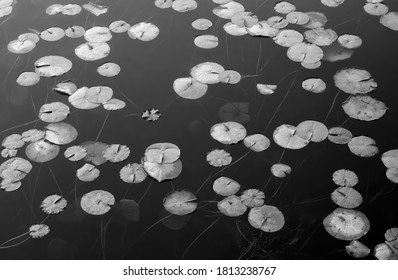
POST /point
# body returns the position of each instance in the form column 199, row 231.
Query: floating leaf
column 33, row 135
column 391, row 236
column 21, row 47
column 143, row 31
column 71, row 9
column 133, row 173
column 305, row 53
column 97, row 202
column 228, row 132
column 225, row 186
column 180, row 202
column 162, row 153
column 354, row 81
column 266, row 89
column 320, row 36
column 392, row 174
column 267, row 218
column 288, row 38
column 41, row 151
column 350, row 41
column 75, row 31
column 332, row 3
column 284, row 7
column 256, row 142
column 363, row 146
column 52, row 66
column 87, row 173
column 114, row 104
column 280, row 170
column 227, row 10
column 67, row 88
column 345, row 178
column 92, row 51
column 184, row 5
column 189, row 88
column 95, row 9
column 13, row 141
column 312, row 130
column 201, row 24
column 53, row 204
column 98, row 34
column 263, row 29
column 218, row 158
column 60, row 133
column 298, row 18
column 116, row 153
column 28, row 79
column 347, row 197
column 231, row 206
column 364, row 108
column 339, row 135
column 163, row 4
column 53, row 112
column 376, row 9
column 244, row 19
column 346, row 224
column 286, row 137
column 385, row 251
column 207, row 72
column 206, row 41
column 54, row 9
column 234, row 30
column 357, row 250
column 109, row 69
column 15, row 169
column 390, row 20
column 229, row 77
column 389, row 158
column 52, row 34
column 39, row 230
column 75, row 153
column 9, row 185
column 252, row 198
column 315, row 85
column 119, row 26
column 164, row 171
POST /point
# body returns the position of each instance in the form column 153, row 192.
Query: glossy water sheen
column 148, row 71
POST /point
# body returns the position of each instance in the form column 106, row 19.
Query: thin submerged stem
column 103, row 125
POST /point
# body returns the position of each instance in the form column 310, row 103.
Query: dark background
column 148, row 72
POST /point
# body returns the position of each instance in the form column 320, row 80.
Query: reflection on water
column 141, row 214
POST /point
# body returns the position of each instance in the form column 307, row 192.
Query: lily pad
column 180, row 202
column 231, row 206
column 267, row 218
column 97, row 202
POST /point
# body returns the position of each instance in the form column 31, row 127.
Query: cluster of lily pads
column 161, row 161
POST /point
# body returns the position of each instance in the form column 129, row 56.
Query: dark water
column 148, row 71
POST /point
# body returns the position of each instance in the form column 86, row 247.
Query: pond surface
column 148, row 70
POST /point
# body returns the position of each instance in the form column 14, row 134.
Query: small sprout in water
column 151, row 115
